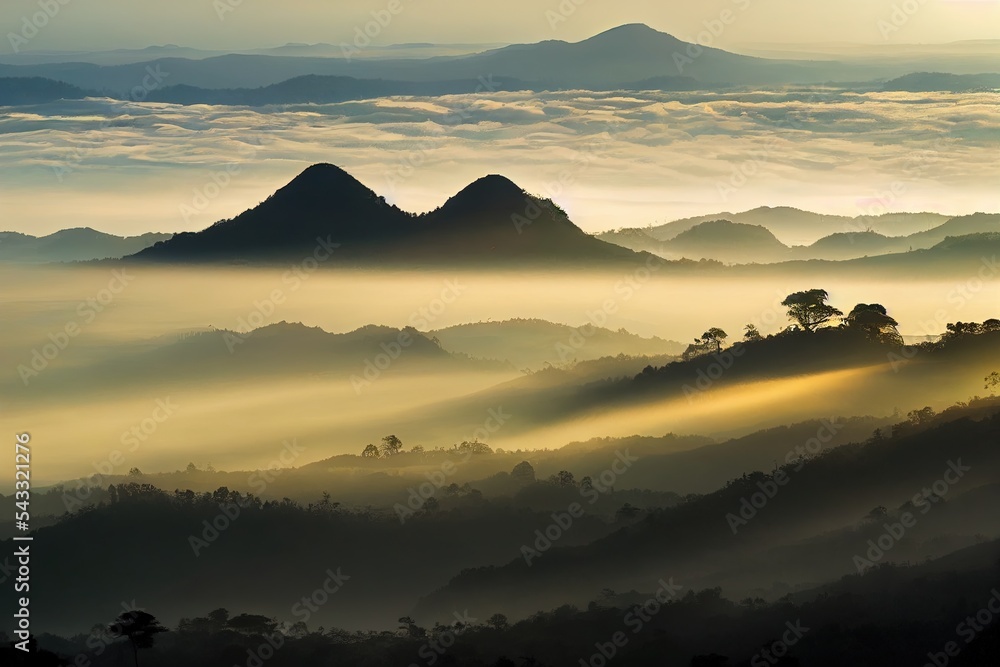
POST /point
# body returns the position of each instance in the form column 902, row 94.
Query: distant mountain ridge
column 741, row 243
column 72, row 245
column 612, row 59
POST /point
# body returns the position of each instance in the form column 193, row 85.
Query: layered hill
column 532, row 343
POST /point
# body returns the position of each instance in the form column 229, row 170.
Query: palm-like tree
column 139, row 627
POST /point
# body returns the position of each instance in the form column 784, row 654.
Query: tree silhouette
column 523, row 473
column 563, row 478
column 959, row 329
column 139, row 627
column 253, row 624
column 810, row 308
column 872, row 319
column 714, row 336
column 391, row 445
column 921, row 416
column 750, row 332
column 992, row 381
column 371, row 452
column 409, row 627
column 498, row 622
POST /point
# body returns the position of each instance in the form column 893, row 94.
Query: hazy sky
column 103, row 24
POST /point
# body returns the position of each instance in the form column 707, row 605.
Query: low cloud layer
column 610, row 159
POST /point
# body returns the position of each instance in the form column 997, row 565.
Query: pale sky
column 106, row 24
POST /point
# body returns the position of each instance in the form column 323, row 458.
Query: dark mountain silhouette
column 492, row 221
column 71, row 245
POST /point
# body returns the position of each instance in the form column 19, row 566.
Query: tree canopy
column 810, row 308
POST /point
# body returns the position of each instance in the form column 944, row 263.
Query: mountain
column 633, row 239
column 271, row 351
column 72, row 245
column 977, row 223
column 755, row 243
column 851, row 245
column 630, row 53
column 532, row 343
column 613, row 59
column 16, row 91
column 921, row 82
column 727, row 242
column 328, row 214
column 806, row 532
column 854, row 245
column 793, row 226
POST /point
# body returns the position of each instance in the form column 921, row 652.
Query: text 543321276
column 22, row 480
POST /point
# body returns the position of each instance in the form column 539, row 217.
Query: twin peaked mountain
column 492, row 221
